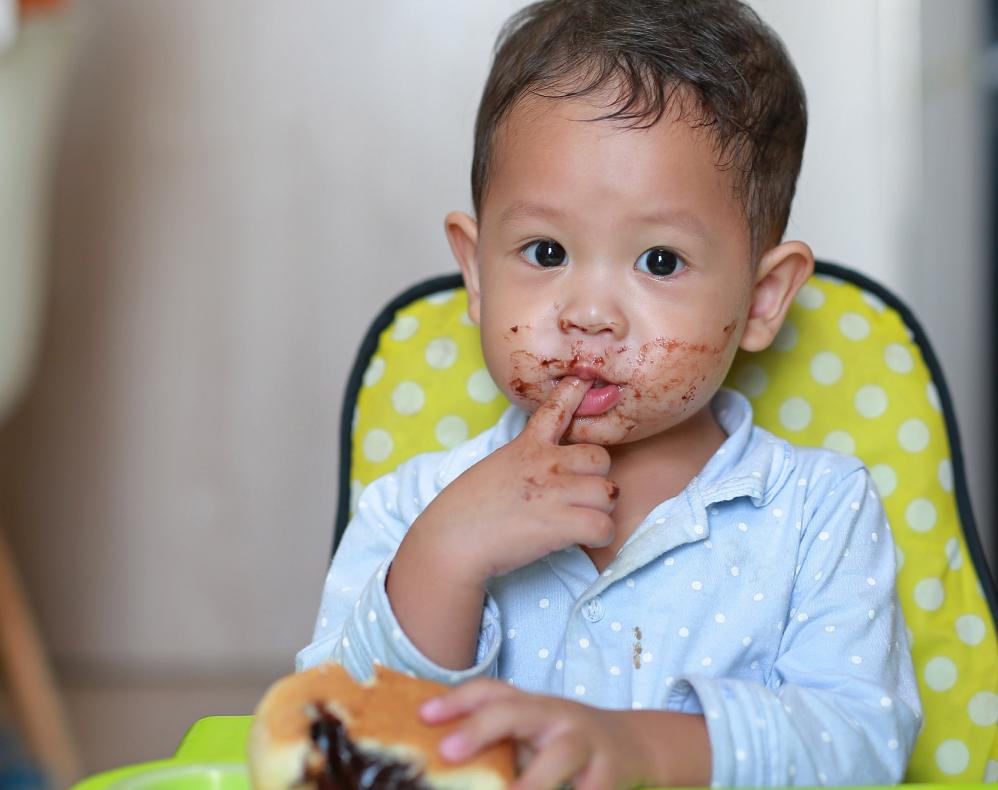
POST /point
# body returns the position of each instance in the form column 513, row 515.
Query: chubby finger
column 592, row 528
column 557, row 763
column 505, row 718
column 584, row 459
column 592, row 491
column 554, row 415
column 464, row 699
column 583, row 491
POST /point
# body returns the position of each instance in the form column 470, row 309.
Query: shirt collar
column 752, row 462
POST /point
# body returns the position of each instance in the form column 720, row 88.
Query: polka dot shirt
column 761, row 597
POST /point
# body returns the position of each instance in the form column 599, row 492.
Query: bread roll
column 321, row 729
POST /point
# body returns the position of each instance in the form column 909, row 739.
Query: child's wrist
column 675, row 747
column 425, row 547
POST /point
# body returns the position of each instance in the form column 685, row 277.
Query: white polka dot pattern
column 842, row 373
column 428, row 370
column 853, row 354
column 451, row 431
column 481, row 388
column 441, row 353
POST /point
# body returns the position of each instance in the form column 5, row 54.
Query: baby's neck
column 666, row 462
column 653, row 470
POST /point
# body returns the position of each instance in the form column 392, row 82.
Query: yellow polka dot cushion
column 851, row 370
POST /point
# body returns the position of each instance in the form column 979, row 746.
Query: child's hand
column 529, row 498
column 562, row 741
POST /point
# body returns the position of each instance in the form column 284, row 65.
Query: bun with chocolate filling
column 321, row 729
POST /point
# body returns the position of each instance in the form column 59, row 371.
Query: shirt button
column 594, row 610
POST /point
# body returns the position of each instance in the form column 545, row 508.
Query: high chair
column 851, row 370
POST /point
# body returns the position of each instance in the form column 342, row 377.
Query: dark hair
column 712, row 62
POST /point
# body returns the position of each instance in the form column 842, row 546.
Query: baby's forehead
column 533, row 116
column 544, row 142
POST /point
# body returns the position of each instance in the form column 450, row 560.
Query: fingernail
column 432, row 707
column 454, row 746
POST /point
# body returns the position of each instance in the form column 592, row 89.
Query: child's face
column 648, row 283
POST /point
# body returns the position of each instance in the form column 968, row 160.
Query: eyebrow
column 521, row 210
column 676, row 217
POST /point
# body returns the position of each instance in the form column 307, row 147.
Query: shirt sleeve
column 356, row 625
column 841, row 705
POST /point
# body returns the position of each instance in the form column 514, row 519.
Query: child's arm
column 355, row 625
column 841, row 703
column 528, row 499
column 561, row 492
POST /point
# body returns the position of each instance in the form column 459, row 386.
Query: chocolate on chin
column 321, row 729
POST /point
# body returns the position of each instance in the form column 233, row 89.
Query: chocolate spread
column 348, row 768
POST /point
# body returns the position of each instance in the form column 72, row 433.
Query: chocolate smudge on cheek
column 523, row 375
column 671, row 345
column 671, row 371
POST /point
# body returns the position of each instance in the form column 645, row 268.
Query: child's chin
column 596, row 430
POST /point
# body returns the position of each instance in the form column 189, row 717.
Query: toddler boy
column 641, row 586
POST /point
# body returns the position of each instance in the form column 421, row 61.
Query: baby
column 624, row 574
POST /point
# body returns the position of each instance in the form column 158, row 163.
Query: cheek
column 521, row 374
column 677, row 374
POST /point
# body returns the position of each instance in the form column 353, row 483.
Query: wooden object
column 35, row 698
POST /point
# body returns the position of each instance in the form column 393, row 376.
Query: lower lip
column 599, row 401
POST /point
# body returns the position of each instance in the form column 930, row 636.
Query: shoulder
column 830, row 488
column 811, row 468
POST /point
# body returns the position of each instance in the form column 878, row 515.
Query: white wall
column 894, row 177
column 241, row 184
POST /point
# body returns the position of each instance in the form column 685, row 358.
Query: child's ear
column 462, row 233
column 782, row 271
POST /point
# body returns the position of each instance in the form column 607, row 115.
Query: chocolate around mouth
column 345, row 767
column 598, row 383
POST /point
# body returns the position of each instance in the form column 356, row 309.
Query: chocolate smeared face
column 342, row 766
column 618, row 255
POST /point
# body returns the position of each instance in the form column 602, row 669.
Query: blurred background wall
column 240, row 185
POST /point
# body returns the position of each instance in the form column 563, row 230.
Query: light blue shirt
column 762, row 596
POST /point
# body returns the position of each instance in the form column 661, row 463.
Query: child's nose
column 592, row 314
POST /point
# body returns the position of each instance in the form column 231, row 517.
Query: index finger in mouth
column 552, row 418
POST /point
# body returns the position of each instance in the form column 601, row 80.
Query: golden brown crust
column 384, row 711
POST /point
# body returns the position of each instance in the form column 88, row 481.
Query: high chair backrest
column 851, row 370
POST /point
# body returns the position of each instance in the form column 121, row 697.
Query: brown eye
column 545, row 253
column 659, row 262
